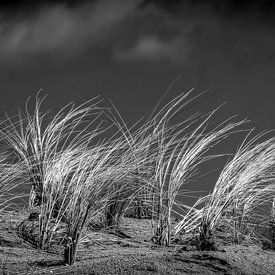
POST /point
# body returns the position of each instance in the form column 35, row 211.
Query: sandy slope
column 133, row 253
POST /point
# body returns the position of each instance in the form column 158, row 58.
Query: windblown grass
column 85, row 181
column 79, row 173
column 101, row 184
column 244, row 187
column 35, row 138
column 9, row 182
column 181, row 149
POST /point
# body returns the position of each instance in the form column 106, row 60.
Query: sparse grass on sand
column 86, row 173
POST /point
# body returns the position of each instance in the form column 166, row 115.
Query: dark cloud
column 192, row 34
column 225, row 7
column 16, row 5
column 195, row 36
column 60, row 31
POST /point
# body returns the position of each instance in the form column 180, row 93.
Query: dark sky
column 131, row 50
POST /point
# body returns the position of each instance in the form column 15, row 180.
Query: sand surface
column 131, row 252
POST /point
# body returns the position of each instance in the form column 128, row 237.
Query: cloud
column 60, row 30
column 152, row 48
column 193, row 36
column 182, row 33
column 263, row 8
